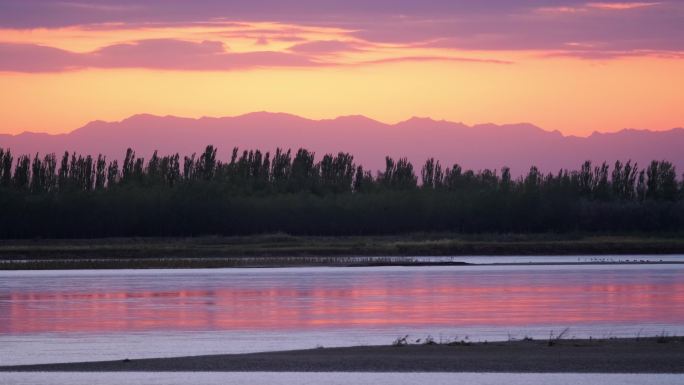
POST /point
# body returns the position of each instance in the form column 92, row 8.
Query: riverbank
column 281, row 250
column 644, row 355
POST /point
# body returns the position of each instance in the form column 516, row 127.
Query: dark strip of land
column 646, row 355
column 271, row 250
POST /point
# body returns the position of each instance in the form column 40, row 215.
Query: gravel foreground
column 645, row 355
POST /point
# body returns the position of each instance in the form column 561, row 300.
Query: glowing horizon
column 570, row 66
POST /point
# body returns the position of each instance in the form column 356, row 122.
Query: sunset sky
column 574, row 66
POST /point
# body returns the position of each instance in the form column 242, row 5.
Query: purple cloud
column 435, row 58
column 636, row 26
column 36, row 58
column 181, row 55
column 164, row 54
column 160, row 53
column 51, row 13
column 322, row 47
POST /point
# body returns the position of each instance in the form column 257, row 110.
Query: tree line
column 83, row 196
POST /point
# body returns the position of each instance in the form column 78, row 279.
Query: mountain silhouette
column 517, row 146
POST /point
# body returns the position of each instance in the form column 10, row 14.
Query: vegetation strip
column 77, row 196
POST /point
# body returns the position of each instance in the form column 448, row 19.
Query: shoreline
column 282, row 250
column 642, row 355
column 178, row 263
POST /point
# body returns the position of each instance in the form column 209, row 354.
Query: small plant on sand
column 429, row 340
column 401, row 341
column 663, row 338
column 553, row 340
column 462, row 342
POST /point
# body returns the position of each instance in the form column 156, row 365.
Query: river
column 57, row 316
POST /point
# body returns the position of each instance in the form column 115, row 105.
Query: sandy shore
column 646, row 355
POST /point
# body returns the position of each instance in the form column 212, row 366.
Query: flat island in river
column 642, row 355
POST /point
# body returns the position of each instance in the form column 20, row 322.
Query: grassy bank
column 286, row 250
column 645, row 355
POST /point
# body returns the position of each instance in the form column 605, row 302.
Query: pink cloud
column 325, row 47
column 608, row 55
column 36, row 58
column 435, row 58
column 621, row 6
column 602, row 6
column 100, row 7
column 181, row 55
column 515, row 24
column 163, row 54
column 260, row 36
column 560, row 10
column 159, row 53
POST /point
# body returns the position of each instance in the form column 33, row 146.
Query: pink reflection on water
column 368, row 300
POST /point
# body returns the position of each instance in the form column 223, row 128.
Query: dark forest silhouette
column 255, row 192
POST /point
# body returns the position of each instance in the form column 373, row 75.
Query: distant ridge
column 481, row 146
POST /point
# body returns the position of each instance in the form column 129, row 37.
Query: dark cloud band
column 597, row 27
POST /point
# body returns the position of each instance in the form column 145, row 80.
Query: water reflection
column 320, row 299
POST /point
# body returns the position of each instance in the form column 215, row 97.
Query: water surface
column 54, row 316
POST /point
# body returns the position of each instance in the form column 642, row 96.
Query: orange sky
column 323, row 72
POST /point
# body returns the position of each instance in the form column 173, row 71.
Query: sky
column 568, row 65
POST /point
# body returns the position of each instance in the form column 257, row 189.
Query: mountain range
column 517, row 146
